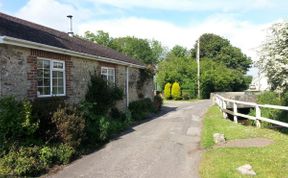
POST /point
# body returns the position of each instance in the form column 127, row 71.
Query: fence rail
column 223, row 102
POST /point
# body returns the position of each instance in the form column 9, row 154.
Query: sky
column 172, row 22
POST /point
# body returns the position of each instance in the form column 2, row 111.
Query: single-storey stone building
column 40, row 62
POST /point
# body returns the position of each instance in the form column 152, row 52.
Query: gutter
column 28, row 44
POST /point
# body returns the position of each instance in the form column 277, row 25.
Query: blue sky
column 243, row 22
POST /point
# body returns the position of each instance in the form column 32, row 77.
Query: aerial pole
column 198, row 67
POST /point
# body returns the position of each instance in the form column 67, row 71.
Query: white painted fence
column 223, row 102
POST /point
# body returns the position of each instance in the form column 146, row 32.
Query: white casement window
column 108, row 74
column 50, row 78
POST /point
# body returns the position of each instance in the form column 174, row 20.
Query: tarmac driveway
column 163, row 147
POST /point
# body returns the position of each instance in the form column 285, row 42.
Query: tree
column 183, row 70
column 167, row 91
column 136, row 48
column 219, row 49
column 176, row 91
column 179, row 51
column 274, row 57
column 101, row 37
column 215, row 77
column 146, row 51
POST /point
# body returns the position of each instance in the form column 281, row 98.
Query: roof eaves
column 39, row 46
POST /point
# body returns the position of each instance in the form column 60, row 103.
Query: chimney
column 70, row 33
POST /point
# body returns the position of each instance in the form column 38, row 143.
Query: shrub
column 70, row 126
column 16, row 123
column 158, row 101
column 176, row 92
column 64, row 153
column 188, row 94
column 268, row 98
column 167, row 91
column 102, row 95
column 96, row 130
column 23, row 162
column 139, row 109
column 43, row 109
column 117, row 115
column 47, row 156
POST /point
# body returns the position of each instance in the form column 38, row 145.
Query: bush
column 23, row 162
column 16, row 122
column 63, row 153
column 188, row 94
column 43, row 109
column 176, row 92
column 96, row 126
column 47, row 156
column 102, row 95
column 139, row 109
column 158, row 101
column 70, row 126
column 268, row 98
column 167, row 91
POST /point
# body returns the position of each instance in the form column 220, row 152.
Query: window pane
column 43, row 77
column 111, row 72
column 111, row 78
column 46, row 91
column 46, row 73
column 40, row 91
column 46, row 82
column 58, row 82
column 46, row 64
column 57, row 90
column 39, row 82
column 103, row 70
column 60, row 90
column 58, row 65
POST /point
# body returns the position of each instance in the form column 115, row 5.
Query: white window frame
column 107, row 74
column 51, row 77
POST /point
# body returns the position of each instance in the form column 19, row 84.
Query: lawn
column 267, row 162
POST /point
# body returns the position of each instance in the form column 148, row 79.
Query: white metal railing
column 222, row 103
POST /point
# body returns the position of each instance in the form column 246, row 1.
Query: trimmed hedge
column 176, row 91
column 167, row 91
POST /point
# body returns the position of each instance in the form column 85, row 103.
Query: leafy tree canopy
column 179, row 51
column 215, row 76
column 101, row 38
column 219, row 49
column 146, row 51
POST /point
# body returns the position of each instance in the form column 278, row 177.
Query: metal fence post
column 258, row 115
column 235, row 111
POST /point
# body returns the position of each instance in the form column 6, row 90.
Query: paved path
column 164, row 147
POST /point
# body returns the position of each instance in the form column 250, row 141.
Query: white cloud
column 186, row 5
column 248, row 37
column 241, row 34
column 52, row 13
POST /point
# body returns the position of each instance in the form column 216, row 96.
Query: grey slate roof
column 25, row 30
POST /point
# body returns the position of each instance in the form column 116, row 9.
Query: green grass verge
column 267, row 162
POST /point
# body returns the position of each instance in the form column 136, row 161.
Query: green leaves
column 219, row 49
column 148, row 52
